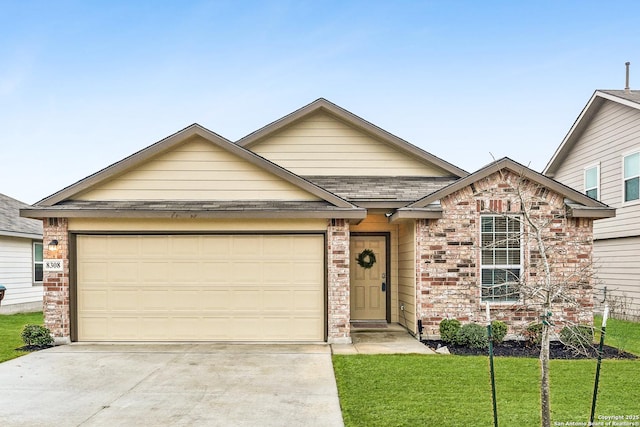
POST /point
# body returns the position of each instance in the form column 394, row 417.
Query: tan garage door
column 200, row 288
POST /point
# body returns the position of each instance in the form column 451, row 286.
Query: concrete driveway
column 171, row 385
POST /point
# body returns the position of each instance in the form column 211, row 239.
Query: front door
column 368, row 272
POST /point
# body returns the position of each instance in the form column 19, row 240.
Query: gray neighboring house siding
column 17, row 238
column 607, row 130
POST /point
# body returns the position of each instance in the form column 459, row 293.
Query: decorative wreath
column 366, row 259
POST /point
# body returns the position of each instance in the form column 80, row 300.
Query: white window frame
column 597, row 186
column 501, row 267
column 624, row 179
column 35, row 263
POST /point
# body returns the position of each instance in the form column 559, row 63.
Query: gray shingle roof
column 11, row 224
column 632, row 95
column 381, row 188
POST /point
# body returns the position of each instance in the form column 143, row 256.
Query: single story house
column 20, row 258
column 292, row 233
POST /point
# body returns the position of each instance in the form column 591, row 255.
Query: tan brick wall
column 448, row 261
column 56, row 284
column 338, row 278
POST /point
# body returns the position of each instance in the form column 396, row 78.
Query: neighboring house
column 20, row 258
column 292, row 233
column 600, row 156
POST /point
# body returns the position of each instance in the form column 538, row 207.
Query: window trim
column 624, row 180
column 35, row 262
column 519, row 266
column 584, row 180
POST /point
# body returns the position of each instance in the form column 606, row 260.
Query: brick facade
column 338, row 304
column 448, row 256
column 56, row 284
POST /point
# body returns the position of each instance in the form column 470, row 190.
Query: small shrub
column 472, row 335
column 498, row 331
column 448, row 330
column 577, row 336
column 36, row 335
column 533, row 334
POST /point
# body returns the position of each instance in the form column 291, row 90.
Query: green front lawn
column 410, row 390
column 10, row 329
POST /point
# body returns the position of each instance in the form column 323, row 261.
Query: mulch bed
column 557, row 350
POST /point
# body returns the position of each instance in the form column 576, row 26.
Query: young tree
column 556, row 276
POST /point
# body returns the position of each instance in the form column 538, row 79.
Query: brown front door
column 369, row 286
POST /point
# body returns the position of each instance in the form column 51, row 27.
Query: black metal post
column 493, row 380
column 597, row 380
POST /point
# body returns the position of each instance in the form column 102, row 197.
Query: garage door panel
column 153, row 272
column 277, row 300
column 154, row 246
column 245, row 247
column 228, row 288
column 216, row 300
column 154, row 300
column 124, row 328
column 96, row 327
column 123, row 247
column 95, row 299
column 306, row 300
column 123, row 272
column 305, row 272
column 184, row 272
column 93, row 272
column 185, row 299
column 124, row 300
column 277, row 272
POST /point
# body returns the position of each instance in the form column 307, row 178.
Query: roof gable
column 581, row 204
column 193, row 164
column 324, row 139
column 630, row 99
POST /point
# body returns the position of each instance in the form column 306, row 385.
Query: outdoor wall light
column 53, row 245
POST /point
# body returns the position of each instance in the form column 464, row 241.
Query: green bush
column 578, row 336
column 36, row 335
column 472, row 335
column 498, row 331
column 533, row 334
column 448, row 330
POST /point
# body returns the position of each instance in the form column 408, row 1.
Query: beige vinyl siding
column 194, row 225
column 16, row 271
column 196, row 170
column 618, row 267
column 613, row 132
column 407, row 274
column 379, row 223
column 323, row 145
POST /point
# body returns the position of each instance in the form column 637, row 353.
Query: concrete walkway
column 392, row 339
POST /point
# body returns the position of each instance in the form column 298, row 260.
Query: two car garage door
column 200, row 287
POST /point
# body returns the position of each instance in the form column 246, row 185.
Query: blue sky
column 85, row 83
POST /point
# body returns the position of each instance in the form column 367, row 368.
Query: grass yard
column 10, row 329
column 411, row 390
column 621, row 334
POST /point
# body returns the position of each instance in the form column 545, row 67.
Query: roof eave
column 415, row 213
column 355, row 213
column 7, row 233
column 594, row 213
